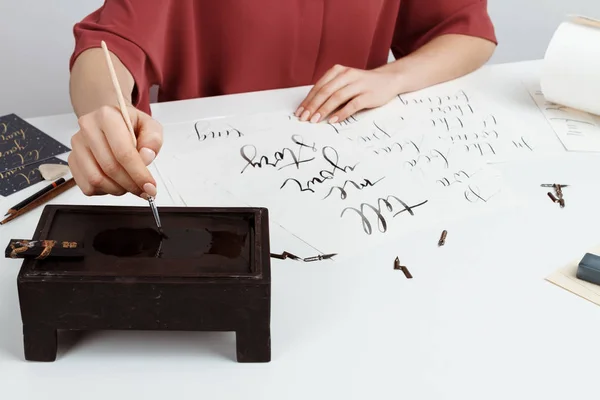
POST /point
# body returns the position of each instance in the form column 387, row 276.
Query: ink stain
column 170, row 244
column 128, row 242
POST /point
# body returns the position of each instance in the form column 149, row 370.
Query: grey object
column 589, row 269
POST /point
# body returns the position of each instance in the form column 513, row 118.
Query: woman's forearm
column 445, row 58
column 90, row 84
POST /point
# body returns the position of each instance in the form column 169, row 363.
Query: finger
column 339, row 82
column 328, row 76
column 353, row 106
column 98, row 145
column 121, row 145
column 90, row 178
column 149, row 135
column 336, row 100
column 78, row 175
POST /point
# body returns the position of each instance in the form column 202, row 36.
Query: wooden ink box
column 211, row 273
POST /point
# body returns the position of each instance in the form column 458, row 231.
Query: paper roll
column 571, row 68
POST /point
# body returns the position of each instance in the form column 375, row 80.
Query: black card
column 19, row 178
column 22, row 144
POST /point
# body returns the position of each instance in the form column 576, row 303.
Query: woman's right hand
column 104, row 159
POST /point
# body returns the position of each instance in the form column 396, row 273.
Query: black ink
column 350, row 120
column 215, row 134
column 432, row 156
column 472, row 136
column 473, row 195
column 377, row 210
column 324, row 174
column 335, row 157
column 480, row 147
column 359, row 186
column 485, row 121
column 522, row 144
column 445, row 123
column 128, row 242
column 408, row 208
column 302, row 189
column 446, row 182
column 181, row 243
column 384, row 132
column 278, row 156
column 449, row 109
column 389, row 149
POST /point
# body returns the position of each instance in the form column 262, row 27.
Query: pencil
column 49, row 195
column 34, row 196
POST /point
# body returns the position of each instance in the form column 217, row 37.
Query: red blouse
column 198, row 48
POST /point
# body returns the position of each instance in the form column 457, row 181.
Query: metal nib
column 156, row 217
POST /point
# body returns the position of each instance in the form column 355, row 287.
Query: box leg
column 40, row 343
column 253, row 345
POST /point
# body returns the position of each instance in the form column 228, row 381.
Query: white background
column 36, row 41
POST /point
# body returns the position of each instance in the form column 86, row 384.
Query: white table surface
column 478, row 321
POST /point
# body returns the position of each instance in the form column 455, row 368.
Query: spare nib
column 156, row 217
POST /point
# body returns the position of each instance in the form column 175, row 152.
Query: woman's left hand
column 343, row 91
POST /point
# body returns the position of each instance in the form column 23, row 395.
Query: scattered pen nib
column 402, row 268
column 442, row 240
column 319, row 257
column 406, row 272
column 285, row 255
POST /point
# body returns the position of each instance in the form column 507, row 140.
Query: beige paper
column 51, row 172
column 565, row 278
column 581, row 19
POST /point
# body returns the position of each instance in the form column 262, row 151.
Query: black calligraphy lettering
column 249, row 154
column 377, row 211
column 482, row 148
column 456, row 178
column 384, row 132
column 473, row 195
column 216, row 134
column 302, row 189
column 332, row 157
column 522, row 144
column 389, row 149
column 333, row 160
column 359, row 186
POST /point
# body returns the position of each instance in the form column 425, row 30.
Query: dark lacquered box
column 211, row 273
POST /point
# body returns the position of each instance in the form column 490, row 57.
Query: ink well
column 108, row 268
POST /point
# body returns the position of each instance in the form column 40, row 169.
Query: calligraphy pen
column 125, row 114
column 34, row 196
column 39, row 198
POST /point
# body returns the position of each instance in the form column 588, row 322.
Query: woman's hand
column 343, row 91
column 104, row 159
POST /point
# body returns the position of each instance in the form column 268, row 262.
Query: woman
column 196, row 48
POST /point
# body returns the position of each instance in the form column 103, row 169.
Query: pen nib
column 156, row 217
column 162, row 233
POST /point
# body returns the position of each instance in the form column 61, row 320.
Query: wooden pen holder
column 211, row 273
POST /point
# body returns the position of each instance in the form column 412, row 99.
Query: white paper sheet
column 570, row 70
column 335, row 198
column 577, row 130
column 417, row 161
